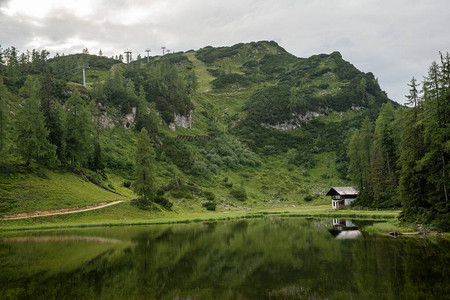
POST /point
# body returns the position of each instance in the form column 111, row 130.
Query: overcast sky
column 394, row 39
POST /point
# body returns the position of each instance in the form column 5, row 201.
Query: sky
column 393, row 39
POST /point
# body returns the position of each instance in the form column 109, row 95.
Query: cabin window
column 336, row 197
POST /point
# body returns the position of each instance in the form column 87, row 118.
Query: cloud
column 393, row 39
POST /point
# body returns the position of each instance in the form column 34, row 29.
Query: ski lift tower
column 128, row 53
column 84, row 67
column 148, row 50
column 163, row 48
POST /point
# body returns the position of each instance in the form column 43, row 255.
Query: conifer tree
column 144, row 185
column 413, row 96
column 31, row 134
column 4, row 119
column 53, row 114
column 355, row 168
column 78, row 131
column 96, row 163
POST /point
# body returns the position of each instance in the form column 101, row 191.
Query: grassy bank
column 127, row 214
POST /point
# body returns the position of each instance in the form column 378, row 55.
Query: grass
column 50, row 190
column 127, row 214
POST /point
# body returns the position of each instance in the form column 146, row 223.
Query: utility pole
column 84, row 67
column 163, row 48
column 148, row 50
column 128, row 55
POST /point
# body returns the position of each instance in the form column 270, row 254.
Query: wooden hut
column 342, row 196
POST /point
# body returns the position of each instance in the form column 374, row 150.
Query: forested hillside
column 218, row 128
column 403, row 159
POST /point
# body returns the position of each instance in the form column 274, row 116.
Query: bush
column 225, row 80
column 308, row 198
column 199, row 168
column 229, row 184
column 210, row 205
column 164, row 202
column 126, row 184
column 181, row 194
column 240, row 194
column 209, row 195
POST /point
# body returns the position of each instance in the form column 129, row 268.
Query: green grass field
column 127, row 214
column 50, row 190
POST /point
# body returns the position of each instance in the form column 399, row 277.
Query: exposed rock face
column 105, row 121
column 354, row 107
column 182, row 121
column 296, row 121
column 128, row 119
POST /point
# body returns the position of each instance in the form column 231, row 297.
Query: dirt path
column 43, row 213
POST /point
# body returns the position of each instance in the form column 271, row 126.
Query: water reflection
column 344, row 229
column 267, row 258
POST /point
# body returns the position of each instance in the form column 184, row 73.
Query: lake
column 264, row 258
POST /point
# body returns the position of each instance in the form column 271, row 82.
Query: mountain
column 249, row 125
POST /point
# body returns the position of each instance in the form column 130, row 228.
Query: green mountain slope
column 243, row 126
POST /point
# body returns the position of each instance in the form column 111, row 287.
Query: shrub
column 210, row 205
column 225, row 80
column 240, row 194
column 164, row 202
column 199, row 168
column 126, row 184
column 209, row 195
column 251, row 64
column 181, row 194
column 308, row 198
column 229, row 184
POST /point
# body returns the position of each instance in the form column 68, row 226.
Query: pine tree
column 4, row 120
column 386, row 141
column 355, row 168
column 78, row 131
column 31, row 134
column 144, row 185
column 413, row 96
column 359, row 154
column 96, row 163
column 53, row 114
column 436, row 133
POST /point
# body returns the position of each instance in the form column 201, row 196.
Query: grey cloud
column 393, row 39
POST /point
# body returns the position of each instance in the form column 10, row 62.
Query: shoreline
column 190, row 217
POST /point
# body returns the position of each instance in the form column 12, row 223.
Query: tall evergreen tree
column 144, row 185
column 52, row 113
column 4, row 120
column 413, row 96
column 356, row 165
column 31, row 134
column 78, row 131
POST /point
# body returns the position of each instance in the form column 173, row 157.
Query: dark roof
column 343, row 191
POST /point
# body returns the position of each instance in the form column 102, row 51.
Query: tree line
column 403, row 159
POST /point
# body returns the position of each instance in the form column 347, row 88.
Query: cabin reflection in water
column 344, row 229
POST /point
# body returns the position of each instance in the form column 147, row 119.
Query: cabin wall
column 337, row 204
column 349, row 201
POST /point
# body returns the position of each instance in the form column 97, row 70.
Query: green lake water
column 266, row 258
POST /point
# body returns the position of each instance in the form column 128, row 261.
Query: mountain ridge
column 237, row 97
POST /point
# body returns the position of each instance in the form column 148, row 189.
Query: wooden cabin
column 342, row 196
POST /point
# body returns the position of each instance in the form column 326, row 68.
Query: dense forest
column 238, row 116
column 403, row 159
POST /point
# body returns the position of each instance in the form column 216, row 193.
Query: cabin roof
column 343, row 191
